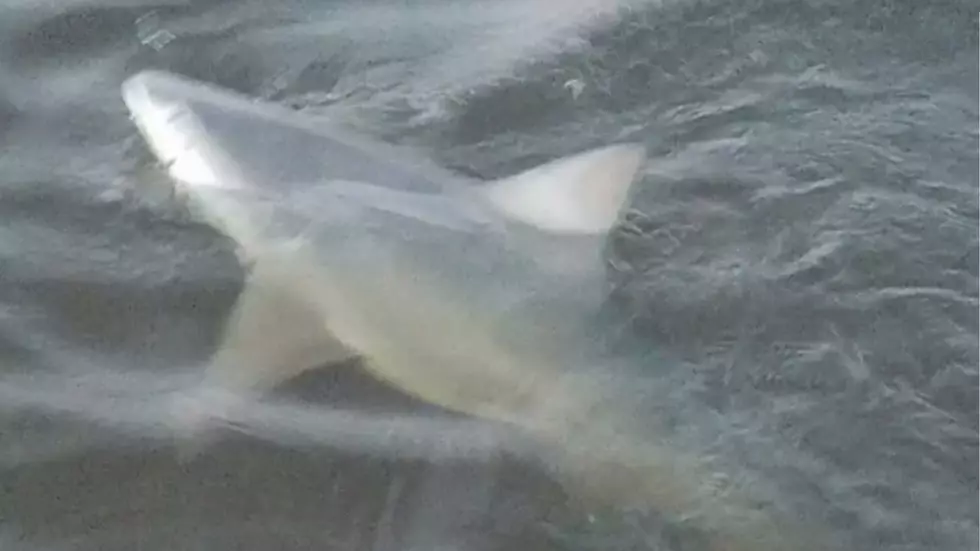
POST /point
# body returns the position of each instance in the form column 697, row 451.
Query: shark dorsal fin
column 579, row 194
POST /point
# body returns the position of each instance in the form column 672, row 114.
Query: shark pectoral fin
column 273, row 334
column 580, row 194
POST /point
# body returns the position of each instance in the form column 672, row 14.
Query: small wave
column 140, row 405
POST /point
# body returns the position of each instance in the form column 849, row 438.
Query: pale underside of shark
column 474, row 296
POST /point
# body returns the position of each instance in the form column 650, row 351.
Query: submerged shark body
column 459, row 286
column 474, row 296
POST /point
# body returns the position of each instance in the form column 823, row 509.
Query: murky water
column 805, row 236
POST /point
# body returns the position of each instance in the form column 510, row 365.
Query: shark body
column 474, row 296
column 398, row 263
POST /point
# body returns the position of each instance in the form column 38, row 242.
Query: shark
column 481, row 297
